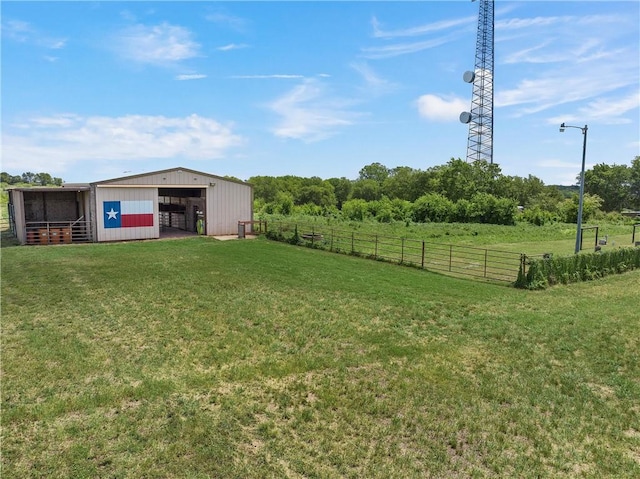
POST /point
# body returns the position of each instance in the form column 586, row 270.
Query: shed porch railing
column 58, row 232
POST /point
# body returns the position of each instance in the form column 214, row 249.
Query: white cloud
column 388, row 51
column 378, row 32
column 232, row 46
column 308, row 113
column 231, row 21
column 283, row 76
column 375, row 84
column 436, row 108
column 24, row 32
column 191, row 76
column 159, row 44
column 61, row 140
column 609, row 111
column 393, row 50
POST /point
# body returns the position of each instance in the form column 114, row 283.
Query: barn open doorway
column 180, row 209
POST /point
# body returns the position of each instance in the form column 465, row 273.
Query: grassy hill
column 199, row 358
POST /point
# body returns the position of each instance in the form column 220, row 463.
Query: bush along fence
column 445, row 258
column 538, row 273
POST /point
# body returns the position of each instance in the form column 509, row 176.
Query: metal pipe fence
column 446, row 258
column 58, row 232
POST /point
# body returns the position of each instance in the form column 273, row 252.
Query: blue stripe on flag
column 112, row 214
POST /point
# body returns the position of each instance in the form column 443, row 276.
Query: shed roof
column 53, row 189
column 170, row 170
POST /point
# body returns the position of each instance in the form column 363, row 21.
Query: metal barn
column 145, row 206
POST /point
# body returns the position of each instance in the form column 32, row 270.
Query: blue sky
column 97, row 90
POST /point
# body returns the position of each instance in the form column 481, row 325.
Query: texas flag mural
column 128, row 214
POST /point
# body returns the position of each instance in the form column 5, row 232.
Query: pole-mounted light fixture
column 581, row 197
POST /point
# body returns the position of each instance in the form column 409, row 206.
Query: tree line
column 35, row 179
column 457, row 191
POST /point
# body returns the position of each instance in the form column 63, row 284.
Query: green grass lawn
column 198, row 358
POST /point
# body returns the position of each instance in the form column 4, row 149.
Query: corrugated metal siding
column 17, row 199
column 228, row 203
column 126, row 194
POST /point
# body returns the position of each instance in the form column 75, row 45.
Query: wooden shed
column 144, row 206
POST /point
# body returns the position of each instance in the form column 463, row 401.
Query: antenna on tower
column 480, row 118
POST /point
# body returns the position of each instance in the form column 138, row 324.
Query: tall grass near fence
column 458, row 260
column 540, row 273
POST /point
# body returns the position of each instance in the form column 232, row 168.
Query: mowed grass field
column 198, row 358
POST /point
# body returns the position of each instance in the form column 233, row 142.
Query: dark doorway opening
column 178, row 207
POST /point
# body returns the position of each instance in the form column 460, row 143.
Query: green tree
column 375, row 171
column 319, row 194
column 28, row 177
column 459, row 179
column 568, row 210
column 341, row 189
column 612, row 183
column 433, row 207
column 265, row 188
column 368, row 190
column 634, row 184
column 400, row 183
column 42, row 179
column 356, row 210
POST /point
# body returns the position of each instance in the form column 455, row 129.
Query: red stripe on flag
column 133, row 221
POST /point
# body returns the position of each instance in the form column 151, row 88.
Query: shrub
column 433, row 207
column 356, row 210
column 580, row 267
column 537, row 216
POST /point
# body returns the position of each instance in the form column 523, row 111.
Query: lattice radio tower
column 480, row 118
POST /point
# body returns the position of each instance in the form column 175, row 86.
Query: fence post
column 485, row 263
column 313, row 234
column 450, row 255
column 331, row 247
column 352, row 243
column 402, row 251
column 376, row 249
column 422, row 254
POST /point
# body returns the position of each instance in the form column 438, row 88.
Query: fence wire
column 446, row 258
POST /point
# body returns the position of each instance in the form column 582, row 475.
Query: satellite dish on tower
column 465, row 117
column 469, row 76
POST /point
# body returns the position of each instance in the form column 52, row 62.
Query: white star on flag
column 112, row 215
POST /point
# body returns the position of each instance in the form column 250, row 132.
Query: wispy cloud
column 66, row 139
column 445, row 31
column 596, row 75
column 309, row 113
column 388, row 51
column 24, row 32
column 231, row 21
column 420, row 30
column 157, row 44
column 375, row 84
column 191, row 76
column 610, row 111
column 232, row 46
column 441, row 108
column 283, row 76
